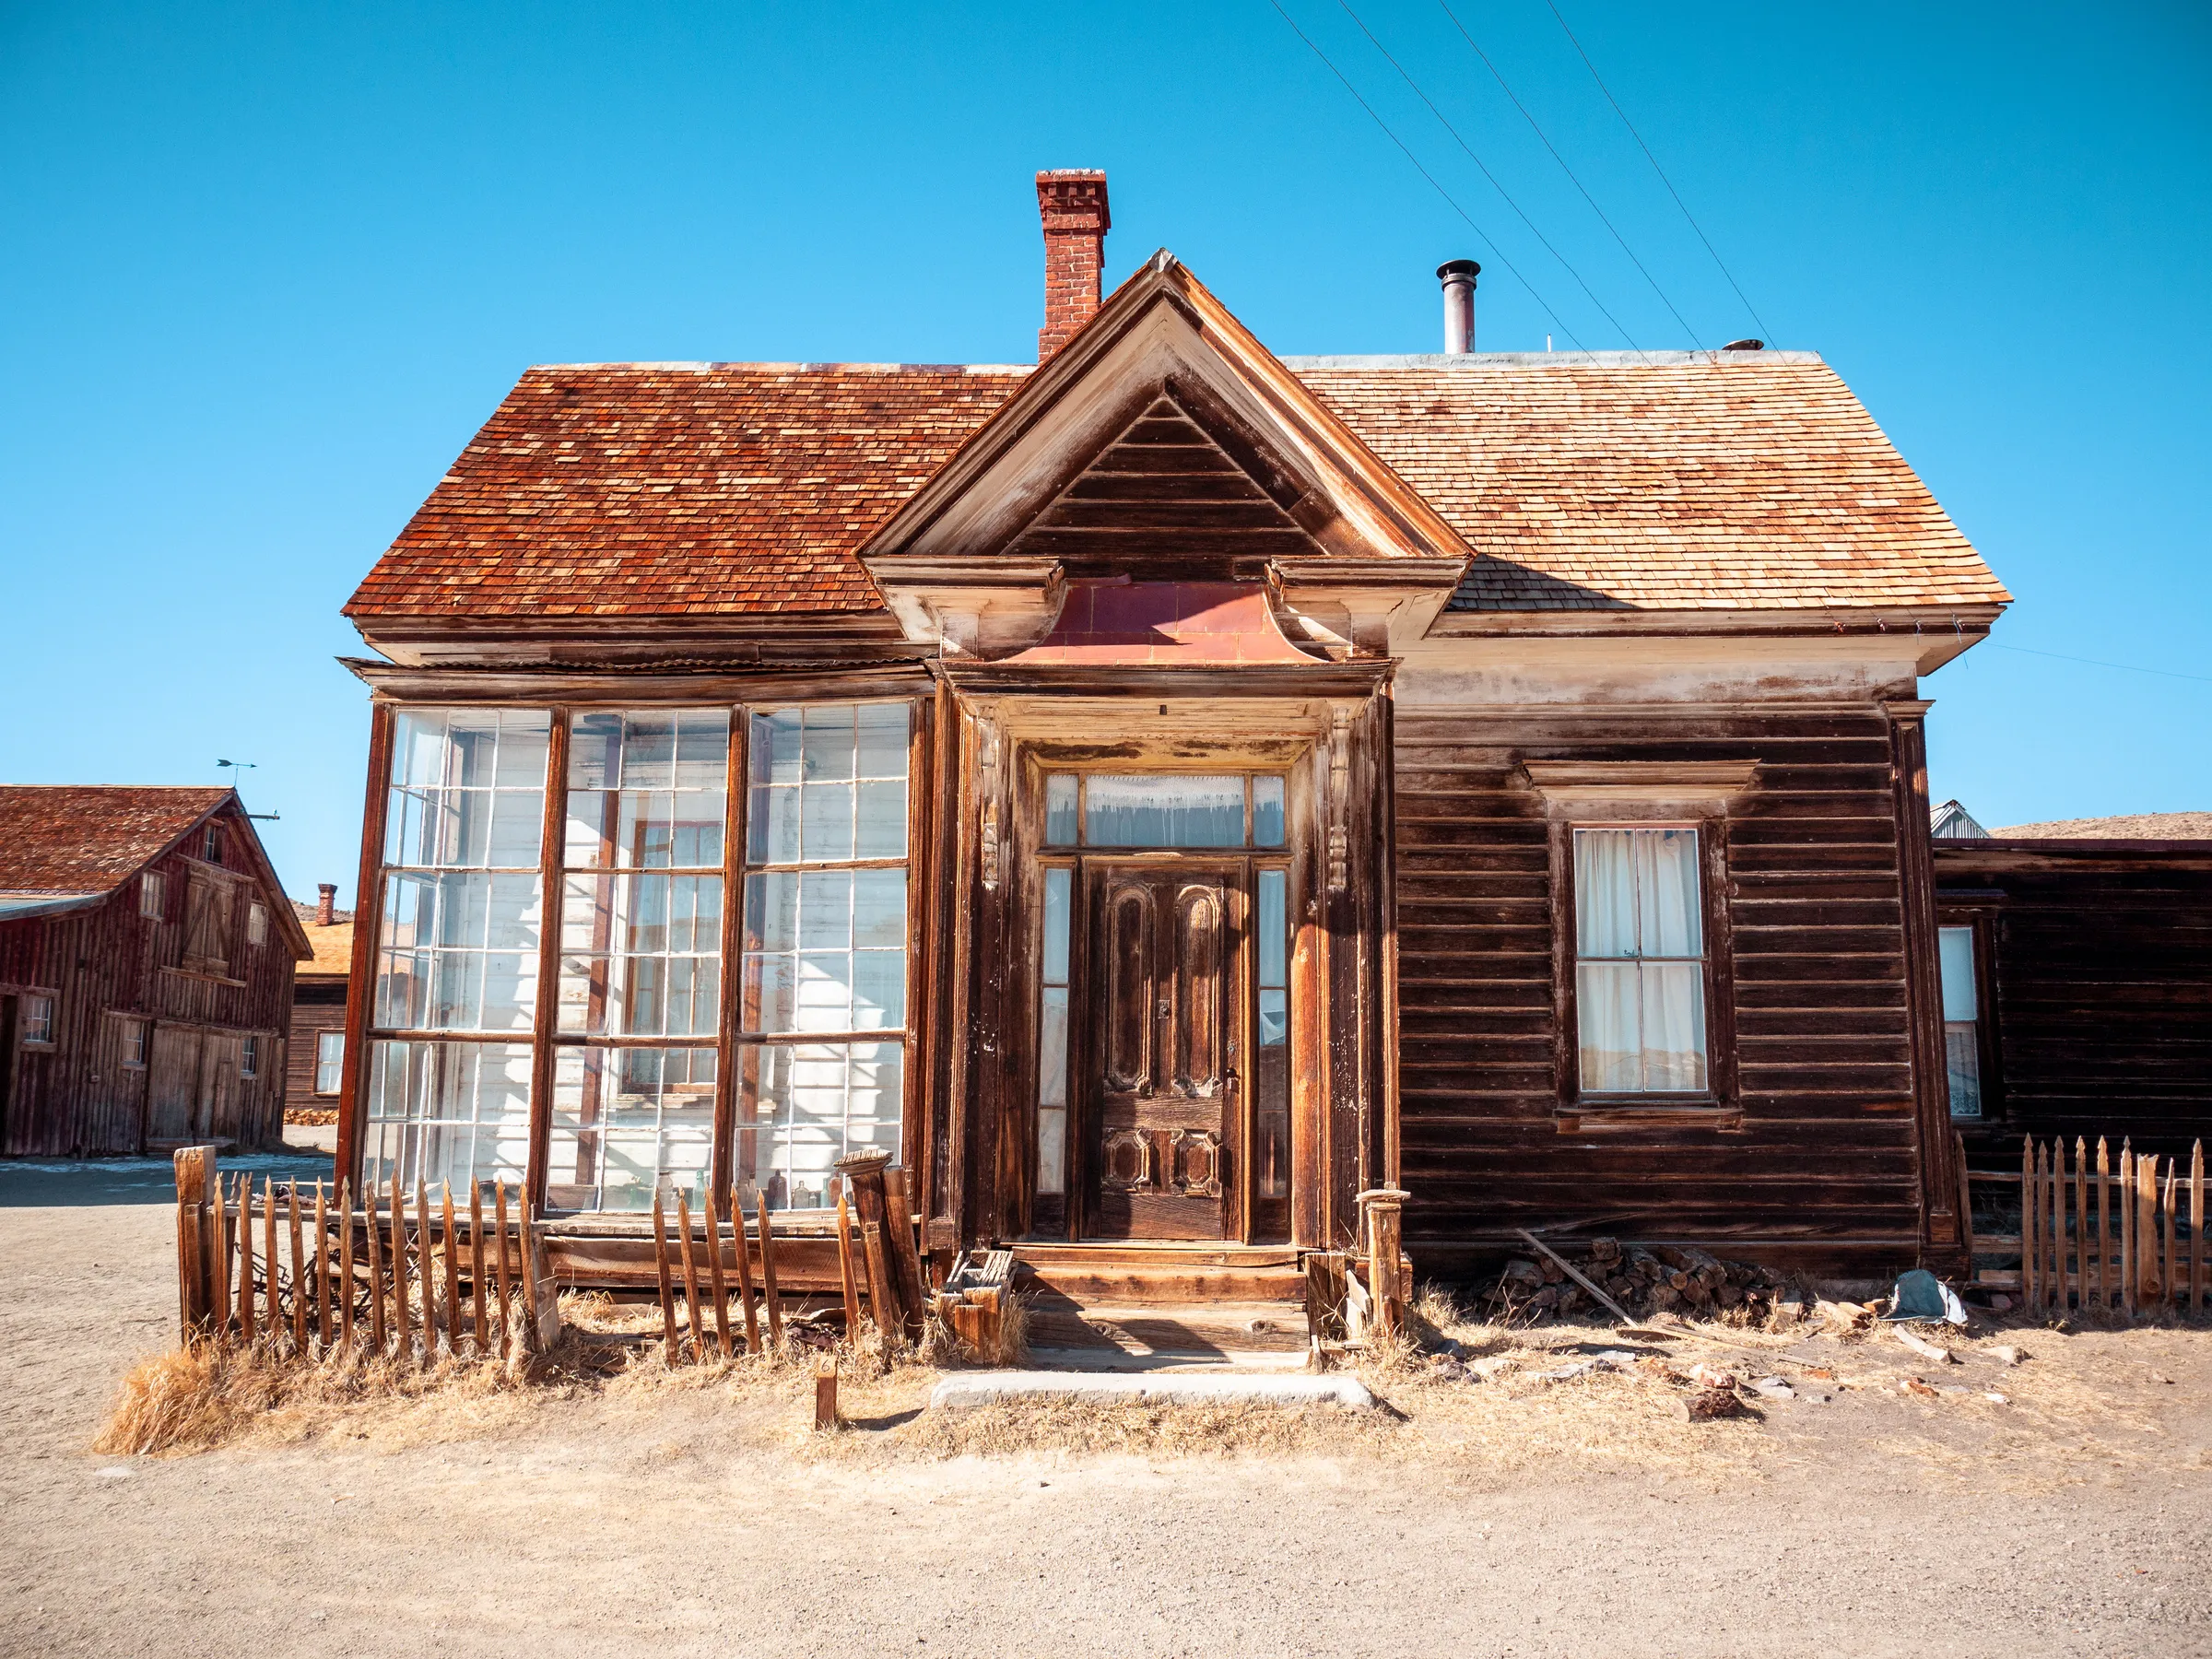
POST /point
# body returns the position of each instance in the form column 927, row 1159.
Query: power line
column 1448, row 198
column 1539, row 132
column 1489, row 174
column 1662, row 172
column 2093, row 663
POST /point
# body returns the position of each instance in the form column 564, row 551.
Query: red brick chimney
column 326, row 903
column 1072, row 202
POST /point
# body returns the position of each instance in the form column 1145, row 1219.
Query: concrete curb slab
column 1180, row 1388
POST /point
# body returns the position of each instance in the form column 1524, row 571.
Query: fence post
column 2147, row 1229
column 2104, row 1223
column 2031, row 1250
column 195, row 1186
column 1383, row 1209
column 2197, row 1228
column 2125, row 1200
column 864, row 1171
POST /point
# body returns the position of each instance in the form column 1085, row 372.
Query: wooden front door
column 174, row 1084
column 1162, row 1083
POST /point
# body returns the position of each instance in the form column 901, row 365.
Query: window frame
column 1983, row 919
column 249, row 1054
column 153, row 897
column 49, row 1003
column 137, row 1032
column 257, row 924
column 1720, row 1103
column 338, row 1085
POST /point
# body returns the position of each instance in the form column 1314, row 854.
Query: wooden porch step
column 1164, row 1275
column 1213, row 1332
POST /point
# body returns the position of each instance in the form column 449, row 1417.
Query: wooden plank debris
column 745, row 1274
column 660, row 1267
column 716, row 1279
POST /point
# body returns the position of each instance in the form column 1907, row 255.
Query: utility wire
column 1671, row 191
column 1450, row 200
column 1539, row 132
column 2092, row 662
column 1489, row 174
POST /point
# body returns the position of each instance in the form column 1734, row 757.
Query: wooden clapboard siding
column 1814, row 1149
column 2100, row 959
column 107, row 965
column 318, row 1006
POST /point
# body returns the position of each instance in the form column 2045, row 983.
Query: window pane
column 879, row 813
column 1267, row 824
column 1611, row 1041
column 330, row 1062
column 881, row 740
column 1051, row 1048
column 1273, row 928
column 825, row 951
column 458, row 952
column 438, row 1111
column 1605, row 893
column 1059, row 886
column 801, row 1107
column 1962, row 1062
column 468, row 788
column 1060, row 810
column 826, row 744
column 641, row 955
column 624, row 1119
column 1139, row 811
column 1957, row 951
column 1667, row 893
column 1674, row 1026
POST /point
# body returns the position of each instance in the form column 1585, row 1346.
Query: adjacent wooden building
column 2077, row 983
column 315, row 1050
column 146, row 954
column 1164, row 792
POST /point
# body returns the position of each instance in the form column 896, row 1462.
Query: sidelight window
column 1961, row 1020
column 1640, row 960
column 1052, row 1033
column 822, row 991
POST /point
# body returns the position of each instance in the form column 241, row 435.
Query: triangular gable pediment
column 1162, row 431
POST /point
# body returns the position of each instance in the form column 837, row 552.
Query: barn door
column 222, row 1092
column 173, row 1083
column 1163, row 1086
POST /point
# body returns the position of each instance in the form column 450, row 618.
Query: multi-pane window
column 330, row 1062
column 38, row 1020
column 149, row 895
column 257, row 924
column 211, row 844
column 1640, row 960
column 641, row 955
column 1961, row 1017
column 457, row 945
column 1154, row 809
column 822, row 995
column 133, row 1044
column 249, row 1057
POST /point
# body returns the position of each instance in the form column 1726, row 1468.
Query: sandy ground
column 1508, row 1517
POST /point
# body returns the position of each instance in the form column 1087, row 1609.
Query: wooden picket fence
column 2124, row 1233
column 306, row 1270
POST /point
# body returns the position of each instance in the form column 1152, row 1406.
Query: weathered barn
column 146, row 971
column 1161, row 792
column 2077, row 983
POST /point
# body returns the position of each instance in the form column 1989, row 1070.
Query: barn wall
column 76, row 1098
column 1821, row 1163
column 2102, row 993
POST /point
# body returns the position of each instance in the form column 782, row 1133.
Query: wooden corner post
column 1382, row 1218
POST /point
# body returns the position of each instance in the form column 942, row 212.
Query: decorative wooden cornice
column 1653, row 782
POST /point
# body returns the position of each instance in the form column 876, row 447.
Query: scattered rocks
column 1709, row 1405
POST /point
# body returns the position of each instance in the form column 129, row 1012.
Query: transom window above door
column 1163, row 809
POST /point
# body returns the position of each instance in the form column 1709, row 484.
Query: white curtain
column 1640, row 986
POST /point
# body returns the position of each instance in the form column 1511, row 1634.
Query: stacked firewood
column 1663, row 1278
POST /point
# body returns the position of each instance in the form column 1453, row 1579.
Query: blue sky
column 269, row 267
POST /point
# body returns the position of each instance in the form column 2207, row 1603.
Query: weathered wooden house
column 145, row 972
column 2077, row 983
column 315, row 1071
column 1161, row 792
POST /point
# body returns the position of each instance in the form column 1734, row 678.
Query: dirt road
column 683, row 1523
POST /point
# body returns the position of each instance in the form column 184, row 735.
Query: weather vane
column 238, row 765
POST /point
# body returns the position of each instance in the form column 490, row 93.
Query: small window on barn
column 257, row 925
column 149, row 895
column 1961, row 1021
column 133, row 1044
column 249, row 1057
column 1640, row 960
column 38, row 1020
column 330, row 1062
column 211, row 848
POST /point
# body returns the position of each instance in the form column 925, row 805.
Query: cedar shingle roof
column 84, row 838
column 679, row 489
column 1754, row 481
column 1695, row 481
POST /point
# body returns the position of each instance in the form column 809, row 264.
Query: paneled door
column 173, row 1109
column 1162, row 1080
